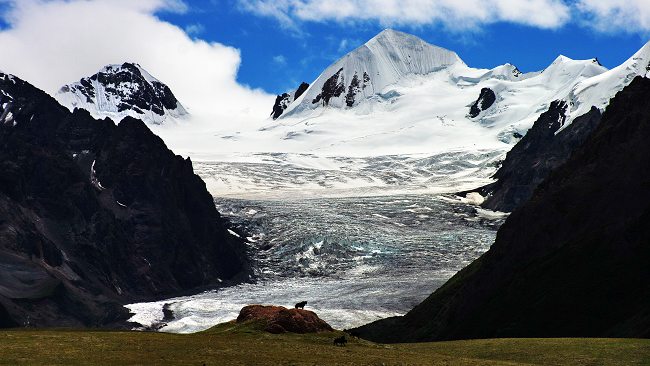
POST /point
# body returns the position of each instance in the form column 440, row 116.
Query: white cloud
column 453, row 14
column 343, row 45
column 280, row 60
column 54, row 42
column 278, row 9
column 616, row 15
column 194, row 29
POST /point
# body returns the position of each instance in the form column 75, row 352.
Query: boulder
column 278, row 319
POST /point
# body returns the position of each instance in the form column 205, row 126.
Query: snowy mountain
column 395, row 64
column 398, row 94
column 365, row 72
column 551, row 141
column 117, row 91
column 409, row 98
column 372, row 74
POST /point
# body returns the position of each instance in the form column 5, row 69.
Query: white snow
column 473, row 198
column 490, row 215
column 93, row 177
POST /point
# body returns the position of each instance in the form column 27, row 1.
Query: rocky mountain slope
column 94, row 215
column 283, row 100
column 550, row 142
column 118, row 91
column 570, row 262
column 539, row 152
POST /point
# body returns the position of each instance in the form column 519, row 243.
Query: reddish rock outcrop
column 279, row 319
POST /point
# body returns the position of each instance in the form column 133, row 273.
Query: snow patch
column 93, row 177
column 490, row 215
column 473, row 198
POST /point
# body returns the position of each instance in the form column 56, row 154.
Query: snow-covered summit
column 366, row 71
column 505, row 72
column 117, row 91
column 564, row 69
column 599, row 89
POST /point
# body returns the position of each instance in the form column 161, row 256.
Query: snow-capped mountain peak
column 404, row 51
column 506, row 72
column 363, row 73
column 117, row 91
column 601, row 88
column 565, row 70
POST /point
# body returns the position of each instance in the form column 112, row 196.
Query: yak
column 340, row 341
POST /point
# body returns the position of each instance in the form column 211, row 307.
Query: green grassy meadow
column 230, row 344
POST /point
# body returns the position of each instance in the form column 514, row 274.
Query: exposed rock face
column 93, row 215
column 538, row 153
column 279, row 319
column 283, row 100
column 333, row 87
column 485, row 100
column 356, row 86
column 301, row 90
column 118, row 91
column 571, row 262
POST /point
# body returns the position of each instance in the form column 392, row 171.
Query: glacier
column 363, row 161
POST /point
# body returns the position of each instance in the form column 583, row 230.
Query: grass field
column 229, row 344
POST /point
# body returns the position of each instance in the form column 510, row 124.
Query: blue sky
column 277, row 57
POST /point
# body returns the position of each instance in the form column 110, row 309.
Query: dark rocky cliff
column 570, row 262
column 94, row 215
column 485, row 100
column 283, row 100
column 538, row 153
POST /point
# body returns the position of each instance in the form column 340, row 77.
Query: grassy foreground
column 229, row 344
